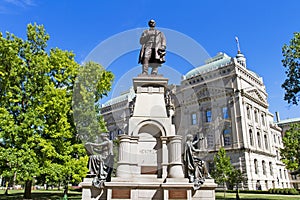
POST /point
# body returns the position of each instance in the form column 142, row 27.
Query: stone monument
column 150, row 162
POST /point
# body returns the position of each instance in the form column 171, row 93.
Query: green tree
column 291, row 151
column 222, row 169
column 291, row 62
column 39, row 138
column 235, row 178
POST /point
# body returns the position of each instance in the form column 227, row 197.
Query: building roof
column 221, row 59
column 126, row 96
column 288, row 121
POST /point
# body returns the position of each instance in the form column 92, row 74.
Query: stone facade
column 285, row 125
column 225, row 103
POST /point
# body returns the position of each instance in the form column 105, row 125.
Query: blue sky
column 262, row 27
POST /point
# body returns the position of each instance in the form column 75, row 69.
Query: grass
column 58, row 195
column 247, row 196
column 39, row 195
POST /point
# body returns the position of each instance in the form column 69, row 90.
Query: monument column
column 133, row 158
column 164, row 163
column 175, row 163
column 123, row 169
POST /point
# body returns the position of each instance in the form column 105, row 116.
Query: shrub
column 291, row 191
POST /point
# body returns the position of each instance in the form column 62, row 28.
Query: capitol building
column 226, row 104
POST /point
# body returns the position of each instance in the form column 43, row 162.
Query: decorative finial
column 238, row 44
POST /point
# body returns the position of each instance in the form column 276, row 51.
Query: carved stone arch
column 150, row 124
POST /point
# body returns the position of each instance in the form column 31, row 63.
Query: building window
column 266, row 141
column 255, row 116
column 225, row 113
column 251, row 137
column 274, row 138
column 263, row 119
column 255, row 166
column 264, row 167
column 227, row 137
column 258, row 140
column 280, row 173
column 277, row 155
column 248, row 112
column 208, row 116
column 271, row 168
column 284, row 172
column 194, row 118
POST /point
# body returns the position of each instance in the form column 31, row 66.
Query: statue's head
column 104, row 135
column 189, row 137
column 151, row 23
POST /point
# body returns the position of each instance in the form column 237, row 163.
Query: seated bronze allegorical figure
column 195, row 168
column 101, row 160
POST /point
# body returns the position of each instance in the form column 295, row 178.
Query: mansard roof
column 221, row 59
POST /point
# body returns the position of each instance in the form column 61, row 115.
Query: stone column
column 164, row 163
column 133, row 156
column 175, row 163
column 123, row 169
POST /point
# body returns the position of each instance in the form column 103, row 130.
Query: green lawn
column 245, row 196
column 39, row 195
column 58, row 195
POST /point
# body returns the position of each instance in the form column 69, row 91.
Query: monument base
column 148, row 189
column 206, row 191
column 89, row 192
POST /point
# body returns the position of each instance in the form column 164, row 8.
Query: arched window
column 280, row 173
column 255, row 116
column 227, row 136
column 271, row 168
column 258, row 140
column 255, row 166
column 264, row 167
column 266, row 141
column 284, row 172
column 248, row 112
column 263, row 119
column 251, row 137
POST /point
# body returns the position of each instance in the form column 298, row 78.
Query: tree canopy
column 39, row 138
column 291, row 151
column 291, row 62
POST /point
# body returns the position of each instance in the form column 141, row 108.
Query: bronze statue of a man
column 153, row 49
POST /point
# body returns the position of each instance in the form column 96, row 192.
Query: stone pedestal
column 89, row 192
column 206, row 191
column 150, row 156
column 151, row 147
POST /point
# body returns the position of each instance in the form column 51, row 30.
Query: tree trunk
column 224, row 191
column 237, row 197
column 14, row 180
column 27, row 192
